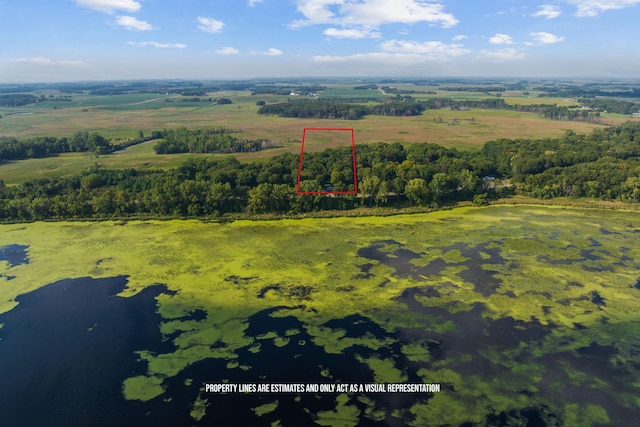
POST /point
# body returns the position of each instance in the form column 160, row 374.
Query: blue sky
column 65, row 40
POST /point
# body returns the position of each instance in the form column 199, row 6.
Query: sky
column 71, row 40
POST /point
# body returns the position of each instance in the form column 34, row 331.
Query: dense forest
column 604, row 164
column 407, row 106
column 17, row 100
column 180, row 140
column 14, row 149
column 80, row 142
column 586, row 92
column 320, row 109
column 213, row 140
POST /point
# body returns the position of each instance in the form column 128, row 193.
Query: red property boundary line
column 353, row 158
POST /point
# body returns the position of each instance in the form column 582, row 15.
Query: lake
column 520, row 314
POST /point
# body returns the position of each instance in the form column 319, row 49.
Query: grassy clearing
column 548, row 265
column 139, row 156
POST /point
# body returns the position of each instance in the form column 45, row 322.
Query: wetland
column 525, row 315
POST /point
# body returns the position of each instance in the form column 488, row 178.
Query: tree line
column 322, row 109
column 14, row 149
column 602, row 165
column 611, row 105
column 81, row 141
column 209, row 140
column 17, row 100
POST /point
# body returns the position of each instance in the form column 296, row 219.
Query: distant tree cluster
column 611, row 105
column 397, row 109
column 320, row 109
column 467, row 88
column 316, row 109
column 212, row 140
column 17, row 100
column 407, row 106
column 286, row 90
column 81, row 141
column 14, row 149
column 574, row 91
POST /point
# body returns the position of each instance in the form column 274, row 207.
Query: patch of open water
column 67, row 347
column 14, row 254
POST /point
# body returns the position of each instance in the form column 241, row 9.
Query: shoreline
column 363, row 212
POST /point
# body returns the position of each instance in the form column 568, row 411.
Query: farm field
column 286, row 132
column 518, row 313
column 120, row 117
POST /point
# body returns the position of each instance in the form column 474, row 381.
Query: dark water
column 67, row 347
column 14, row 254
column 299, row 361
column 483, row 280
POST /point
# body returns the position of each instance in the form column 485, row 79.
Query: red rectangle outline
column 353, row 157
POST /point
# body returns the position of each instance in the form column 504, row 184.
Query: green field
column 509, row 308
column 123, row 115
column 120, row 117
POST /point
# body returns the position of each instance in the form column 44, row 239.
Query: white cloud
column 429, row 49
column 110, row 6
column 501, row 39
column 404, row 52
column 272, row 52
column 39, row 60
column 501, row 55
column 227, row 50
column 252, row 3
column 316, row 12
column 131, row 23
column 371, row 13
column 547, row 38
column 398, row 59
column 548, row 11
column 459, row 37
column 210, row 25
column 587, row 8
column 158, row 45
column 352, row 33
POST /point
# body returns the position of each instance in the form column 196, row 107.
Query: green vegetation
column 406, row 106
column 220, row 140
column 543, row 299
column 316, row 110
column 601, row 165
column 84, row 142
column 517, row 311
column 17, row 100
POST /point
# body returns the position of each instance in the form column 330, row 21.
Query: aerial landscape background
column 480, row 240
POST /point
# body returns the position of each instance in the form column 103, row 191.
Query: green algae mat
column 521, row 315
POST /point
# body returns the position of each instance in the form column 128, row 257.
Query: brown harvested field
column 125, row 120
